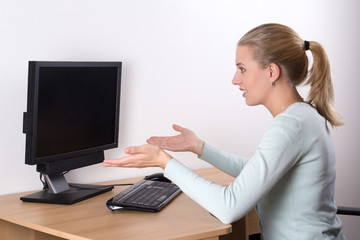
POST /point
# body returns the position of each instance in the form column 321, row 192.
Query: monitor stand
column 60, row 192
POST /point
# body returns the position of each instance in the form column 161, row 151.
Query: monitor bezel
column 30, row 117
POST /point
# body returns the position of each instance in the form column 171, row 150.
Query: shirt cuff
column 178, row 173
column 206, row 152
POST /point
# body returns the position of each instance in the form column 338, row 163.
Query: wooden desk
column 90, row 219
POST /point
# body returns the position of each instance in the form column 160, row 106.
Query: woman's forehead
column 244, row 55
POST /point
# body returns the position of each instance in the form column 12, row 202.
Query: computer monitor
column 72, row 117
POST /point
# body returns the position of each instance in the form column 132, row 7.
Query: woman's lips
column 244, row 92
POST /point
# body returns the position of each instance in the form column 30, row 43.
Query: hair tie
column 307, row 45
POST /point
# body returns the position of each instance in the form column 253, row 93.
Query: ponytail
column 276, row 43
column 321, row 94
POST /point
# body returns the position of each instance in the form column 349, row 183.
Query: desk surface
column 90, row 219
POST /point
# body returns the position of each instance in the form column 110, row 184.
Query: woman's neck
column 281, row 98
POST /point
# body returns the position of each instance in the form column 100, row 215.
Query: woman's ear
column 274, row 72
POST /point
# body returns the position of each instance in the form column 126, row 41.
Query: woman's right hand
column 185, row 141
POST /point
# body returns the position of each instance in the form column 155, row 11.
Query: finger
column 160, row 141
column 113, row 163
column 135, row 149
column 154, row 140
column 123, row 165
column 178, row 128
column 117, row 162
column 128, row 161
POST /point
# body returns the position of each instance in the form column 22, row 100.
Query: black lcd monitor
column 72, row 117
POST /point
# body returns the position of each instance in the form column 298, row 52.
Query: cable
column 44, row 183
column 122, row 184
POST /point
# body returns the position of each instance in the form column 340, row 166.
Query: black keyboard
column 145, row 195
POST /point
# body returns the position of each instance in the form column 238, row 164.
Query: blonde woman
column 290, row 178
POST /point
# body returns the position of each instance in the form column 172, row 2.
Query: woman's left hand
column 140, row 157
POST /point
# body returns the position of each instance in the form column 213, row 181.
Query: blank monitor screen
column 76, row 109
column 73, row 109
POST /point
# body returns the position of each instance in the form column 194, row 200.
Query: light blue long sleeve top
column 290, row 179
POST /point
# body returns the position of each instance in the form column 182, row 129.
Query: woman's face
column 252, row 78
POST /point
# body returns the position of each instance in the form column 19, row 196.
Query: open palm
column 185, row 141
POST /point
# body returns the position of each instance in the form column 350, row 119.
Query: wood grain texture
column 90, row 219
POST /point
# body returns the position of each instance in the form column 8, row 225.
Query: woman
column 290, row 178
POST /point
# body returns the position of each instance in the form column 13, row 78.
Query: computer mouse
column 157, row 177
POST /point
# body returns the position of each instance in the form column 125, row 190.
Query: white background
column 178, row 63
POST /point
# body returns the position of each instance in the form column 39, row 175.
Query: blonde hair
column 279, row 44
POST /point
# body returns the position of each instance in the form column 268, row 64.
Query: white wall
column 178, row 62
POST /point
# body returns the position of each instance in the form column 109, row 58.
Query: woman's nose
column 236, row 79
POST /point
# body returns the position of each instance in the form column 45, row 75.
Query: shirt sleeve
column 277, row 153
column 228, row 163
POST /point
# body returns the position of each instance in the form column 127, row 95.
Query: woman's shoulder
column 300, row 116
column 290, row 116
column 300, row 112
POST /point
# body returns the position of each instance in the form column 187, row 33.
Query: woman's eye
column 242, row 70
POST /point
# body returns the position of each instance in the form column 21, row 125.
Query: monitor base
column 76, row 193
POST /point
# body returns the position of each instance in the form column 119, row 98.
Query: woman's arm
column 228, row 163
column 278, row 152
